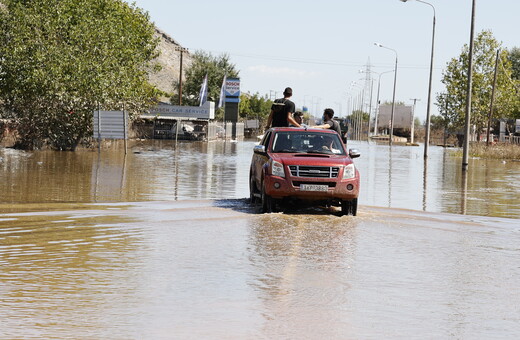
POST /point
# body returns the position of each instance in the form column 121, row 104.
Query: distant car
column 303, row 166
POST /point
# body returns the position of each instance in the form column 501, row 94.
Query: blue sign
column 232, row 99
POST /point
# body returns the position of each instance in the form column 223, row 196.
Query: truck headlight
column 277, row 169
column 349, row 171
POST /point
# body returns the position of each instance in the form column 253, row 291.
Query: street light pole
column 393, row 96
column 393, row 103
column 428, row 105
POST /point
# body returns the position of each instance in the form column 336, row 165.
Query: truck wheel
column 349, row 207
column 268, row 205
column 252, row 190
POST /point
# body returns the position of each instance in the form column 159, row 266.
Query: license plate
column 313, row 187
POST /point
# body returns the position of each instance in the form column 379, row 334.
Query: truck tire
column 252, row 190
column 349, row 207
column 268, row 204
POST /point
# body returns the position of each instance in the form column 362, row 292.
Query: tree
column 358, row 115
column 438, row 122
column 244, row 107
column 397, row 103
column 204, row 63
column 254, row 106
column 61, row 60
column 514, row 58
column 452, row 102
column 417, row 123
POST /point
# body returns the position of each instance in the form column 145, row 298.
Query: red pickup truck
column 303, row 166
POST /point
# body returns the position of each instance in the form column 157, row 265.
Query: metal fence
column 512, row 139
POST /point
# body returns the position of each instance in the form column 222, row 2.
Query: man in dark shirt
column 298, row 117
column 328, row 122
column 281, row 111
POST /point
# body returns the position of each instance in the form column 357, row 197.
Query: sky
column 319, row 47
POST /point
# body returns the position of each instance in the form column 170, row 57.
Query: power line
column 310, row 61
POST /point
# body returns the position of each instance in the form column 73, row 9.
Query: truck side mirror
column 259, row 149
column 353, row 153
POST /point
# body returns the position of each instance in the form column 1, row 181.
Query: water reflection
column 56, row 267
column 390, row 164
column 464, row 192
column 425, row 183
column 152, row 170
column 301, row 264
column 108, row 176
column 436, row 185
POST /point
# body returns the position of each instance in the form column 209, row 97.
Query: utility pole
column 412, row 127
column 370, row 108
column 445, row 126
column 465, row 153
column 492, row 97
column 181, row 50
column 393, row 104
column 360, row 114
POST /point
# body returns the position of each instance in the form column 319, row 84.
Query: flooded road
column 161, row 244
column 214, row 269
column 396, row 178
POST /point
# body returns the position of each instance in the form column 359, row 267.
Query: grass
column 497, row 151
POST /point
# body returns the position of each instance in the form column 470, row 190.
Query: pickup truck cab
column 303, row 166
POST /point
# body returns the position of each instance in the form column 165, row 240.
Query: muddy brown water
column 395, row 178
column 161, row 244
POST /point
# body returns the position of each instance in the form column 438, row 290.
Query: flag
column 222, row 92
column 203, row 95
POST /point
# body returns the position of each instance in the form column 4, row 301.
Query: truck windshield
column 307, row 142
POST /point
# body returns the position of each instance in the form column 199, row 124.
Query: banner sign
column 206, row 111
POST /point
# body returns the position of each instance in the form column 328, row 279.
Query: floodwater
column 161, row 244
column 395, row 178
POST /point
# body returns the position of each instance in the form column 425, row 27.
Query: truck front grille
column 314, row 171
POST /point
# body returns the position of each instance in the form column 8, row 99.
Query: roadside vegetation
column 61, row 60
column 497, row 151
